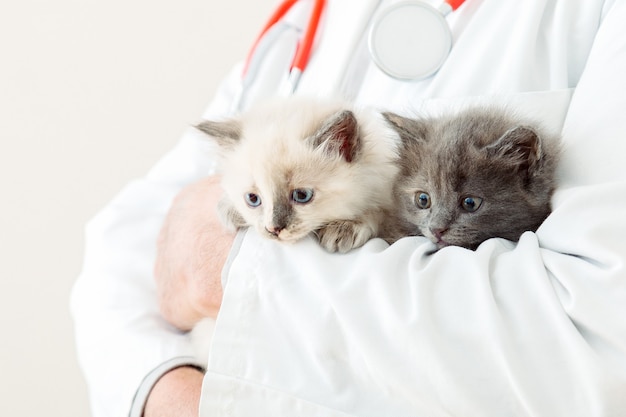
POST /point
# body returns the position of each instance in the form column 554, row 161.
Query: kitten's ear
column 521, row 146
column 339, row 135
column 410, row 130
column 226, row 133
column 396, row 121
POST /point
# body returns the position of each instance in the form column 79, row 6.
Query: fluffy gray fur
column 296, row 166
column 471, row 176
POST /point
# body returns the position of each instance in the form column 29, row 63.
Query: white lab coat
column 536, row 328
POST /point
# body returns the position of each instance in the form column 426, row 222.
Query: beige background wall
column 92, row 93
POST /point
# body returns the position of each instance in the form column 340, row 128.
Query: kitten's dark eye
column 302, row 195
column 253, row 200
column 422, row 200
column 471, row 204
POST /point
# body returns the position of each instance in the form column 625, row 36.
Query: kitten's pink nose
column 438, row 232
column 274, row 230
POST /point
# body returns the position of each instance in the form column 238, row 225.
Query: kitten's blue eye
column 471, row 204
column 253, row 200
column 302, row 195
column 422, row 200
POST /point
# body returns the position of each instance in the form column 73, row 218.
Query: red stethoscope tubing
column 455, row 4
column 303, row 51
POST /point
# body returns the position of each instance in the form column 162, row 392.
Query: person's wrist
column 175, row 394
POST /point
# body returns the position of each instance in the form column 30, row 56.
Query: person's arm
column 126, row 349
column 188, row 276
column 124, row 344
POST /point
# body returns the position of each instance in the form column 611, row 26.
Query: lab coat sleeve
column 535, row 328
column 124, row 345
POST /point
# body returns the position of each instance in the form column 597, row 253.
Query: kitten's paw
column 342, row 236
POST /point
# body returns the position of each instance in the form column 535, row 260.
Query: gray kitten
column 472, row 176
column 296, row 166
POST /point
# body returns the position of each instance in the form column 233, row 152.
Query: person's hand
column 176, row 394
column 192, row 249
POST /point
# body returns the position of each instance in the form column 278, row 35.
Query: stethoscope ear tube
column 268, row 36
column 255, row 59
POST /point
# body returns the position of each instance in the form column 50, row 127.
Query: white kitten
column 294, row 166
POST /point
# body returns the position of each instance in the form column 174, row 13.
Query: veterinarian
column 533, row 328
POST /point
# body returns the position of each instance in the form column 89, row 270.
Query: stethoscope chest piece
column 410, row 40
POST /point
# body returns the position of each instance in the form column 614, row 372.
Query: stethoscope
column 409, row 40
